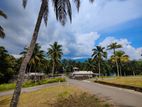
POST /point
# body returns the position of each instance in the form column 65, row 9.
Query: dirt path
column 119, row 96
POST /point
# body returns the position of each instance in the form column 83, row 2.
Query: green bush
column 52, row 80
column 5, row 87
column 29, row 84
column 79, row 100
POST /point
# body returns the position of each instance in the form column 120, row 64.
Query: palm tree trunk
column 120, row 70
column 17, row 91
column 116, row 63
column 53, row 69
column 117, row 67
column 35, row 77
column 29, row 71
column 99, row 69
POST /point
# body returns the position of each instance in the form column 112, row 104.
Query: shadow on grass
column 5, row 101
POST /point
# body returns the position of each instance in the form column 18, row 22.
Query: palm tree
column 62, row 9
column 114, row 46
column 36, row 58
column 121, row 58
column 2, row 34
column 98, row 55
column 55, row 53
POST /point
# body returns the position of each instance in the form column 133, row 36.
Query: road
column 120, row 97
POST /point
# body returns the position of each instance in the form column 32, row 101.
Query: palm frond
column 46, row 11
column 91, row 1
column 24, row 3
column 3, row 14
column 69, row 9
column 2, row 34
column 77, row 2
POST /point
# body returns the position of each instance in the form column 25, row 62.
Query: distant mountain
column 80, row 59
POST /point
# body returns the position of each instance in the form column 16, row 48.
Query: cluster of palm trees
column 40, row 62
column 62, row 10
column 119, row 57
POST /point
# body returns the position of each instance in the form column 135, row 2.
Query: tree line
column 51, row 62
column 118, row 64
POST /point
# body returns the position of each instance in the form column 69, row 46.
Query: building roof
column 83, row 72
column 75, row 68
column 37, row 74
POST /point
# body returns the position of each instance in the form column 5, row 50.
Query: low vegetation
column 57, row 96
column 131, row 80
column 5, row 87
column 80, row 100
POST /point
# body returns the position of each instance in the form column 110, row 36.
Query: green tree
column 88, row 65
column 98, row 55
column 114, row 46
column 62, row 9
column 2, row 33
column 121, row 58
column 55, row 54
column 37, row 58
column 7, row 66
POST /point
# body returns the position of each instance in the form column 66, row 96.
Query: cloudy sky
column 101, row 23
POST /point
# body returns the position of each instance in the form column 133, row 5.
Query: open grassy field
column 131, row 80
column 57, row 96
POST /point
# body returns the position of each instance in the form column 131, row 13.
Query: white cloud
column 85, row 43
column 77, row 45
column 77, row 38
column 134, row 53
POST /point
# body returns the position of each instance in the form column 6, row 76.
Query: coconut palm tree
column 36, row 58
column 114, row 46
column 98, row 55
column 62, row 9
column 2, row 33
column 55, row 54
column 121, row 58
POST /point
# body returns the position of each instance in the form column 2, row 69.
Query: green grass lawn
column 131, row 80
column 6, row 87
column 57, row 96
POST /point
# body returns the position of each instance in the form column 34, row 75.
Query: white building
column 81, row 74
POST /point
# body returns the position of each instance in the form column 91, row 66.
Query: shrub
column 79, row 100
column 51, row 80
column 4, row 87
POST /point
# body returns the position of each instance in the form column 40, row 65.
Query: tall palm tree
column 98, row 55
column 55, row 54
column 36, row 58
column 114, row 46
column 121, row 58
column 62, row 9
column 2, row 33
